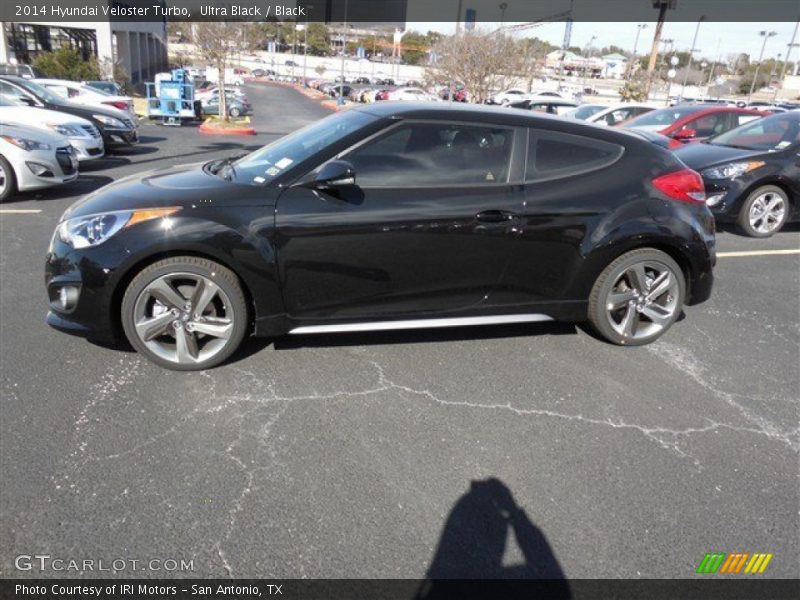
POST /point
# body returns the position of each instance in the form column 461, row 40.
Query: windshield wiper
column 215, row 166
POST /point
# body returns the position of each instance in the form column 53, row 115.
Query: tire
column 772, row 220
column 8, row 180
column 234, row 112
column 641, row 311
column 194, row 298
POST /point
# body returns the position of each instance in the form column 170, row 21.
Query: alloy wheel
column 183, row 318
column 767, row 212
column 643, row 300
column 3, row 180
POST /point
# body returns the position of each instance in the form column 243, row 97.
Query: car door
column 426, row 230
column 567, row 179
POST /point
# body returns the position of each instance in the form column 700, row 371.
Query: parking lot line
column 758, row 253
column 19, row 211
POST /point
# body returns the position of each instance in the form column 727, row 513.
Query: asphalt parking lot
column 343, row 456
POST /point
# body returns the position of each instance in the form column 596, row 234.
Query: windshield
column 584, row 112
column 662, row 117
column 265, row 164
column 777, row 132
column 42, row 92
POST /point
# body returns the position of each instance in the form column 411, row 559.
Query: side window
column 429, row 154
column 745, row 118
column 708, row 125
column 552, row 155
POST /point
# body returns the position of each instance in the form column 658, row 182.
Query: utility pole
column 766, row 35
column 692, row 50
column 789, row 47
column 305, row 45
column 662, row 6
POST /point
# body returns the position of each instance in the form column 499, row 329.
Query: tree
column 480, row 59
column 67, row 63
column 218, row 42
column 319, row 41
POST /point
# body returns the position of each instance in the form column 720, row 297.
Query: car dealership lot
column 335, row 456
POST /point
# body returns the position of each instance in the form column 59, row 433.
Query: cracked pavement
column 342, row 456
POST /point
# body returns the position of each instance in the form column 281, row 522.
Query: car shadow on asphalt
column 84, row 184
column 474, row 542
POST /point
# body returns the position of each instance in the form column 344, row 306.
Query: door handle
column 494, row 216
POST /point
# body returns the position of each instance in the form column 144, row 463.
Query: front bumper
column 88, row 148
column 55, row 173
column 120, row 137
column 80, row 292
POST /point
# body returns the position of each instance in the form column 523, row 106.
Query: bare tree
column 480, row 59
column 218, row 42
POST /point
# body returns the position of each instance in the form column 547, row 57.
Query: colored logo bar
column 734, row 563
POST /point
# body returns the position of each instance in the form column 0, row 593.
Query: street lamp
column 503, row 7
column 340, row 99
column 789, row 47
column 639, row 28
column 692, row 50
column 305, row 44
column 586, row 56
column 766, row 35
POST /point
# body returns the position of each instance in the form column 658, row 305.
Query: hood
column 701, row 156
column 39, row 117
column 184, row 185
column 39, row 134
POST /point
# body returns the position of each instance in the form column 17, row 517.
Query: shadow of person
column 474, row 539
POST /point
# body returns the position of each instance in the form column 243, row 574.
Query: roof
column 615, row 56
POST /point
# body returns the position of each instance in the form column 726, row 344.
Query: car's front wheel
column 637, row 297
column 235, row 112
column 185, row 313
column 8, row 182
column 764, row 212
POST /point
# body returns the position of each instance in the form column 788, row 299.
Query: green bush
column 67, row 63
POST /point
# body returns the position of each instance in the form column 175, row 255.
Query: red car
column 684, row 124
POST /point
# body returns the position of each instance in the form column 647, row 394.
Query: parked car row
column 44, row 136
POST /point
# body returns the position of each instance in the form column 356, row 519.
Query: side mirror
column 333, row 174
column 685, row 134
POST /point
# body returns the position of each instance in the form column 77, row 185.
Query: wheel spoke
column 773, row 203
column 153, row 327
column 629, row 322
column 637, row 277
column 619, row 299
column 203, row 294
column 661, row 284
column 219, row 329
column 163, row 291
column 185, row 345
column 657, row 314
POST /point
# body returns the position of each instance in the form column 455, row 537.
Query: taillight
column 117, row 104
column 684, row 185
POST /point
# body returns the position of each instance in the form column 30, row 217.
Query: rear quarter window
column 552, row 155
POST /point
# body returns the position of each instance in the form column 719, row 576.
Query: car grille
column 64, row 159
column 129, row 123
column 91, row 130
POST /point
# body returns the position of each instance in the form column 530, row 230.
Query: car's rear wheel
column 235, row 112
column 185, row 313
column 8, row 181
column 764, row 212
column 637, row 297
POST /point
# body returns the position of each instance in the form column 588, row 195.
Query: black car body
column 760, row 159
column 116, row 127
column 393, row 215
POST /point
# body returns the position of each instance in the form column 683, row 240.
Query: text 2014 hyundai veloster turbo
column 391, row 216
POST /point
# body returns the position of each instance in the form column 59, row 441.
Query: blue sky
column 728, row 37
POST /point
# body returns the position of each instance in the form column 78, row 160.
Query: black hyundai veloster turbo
column 391, row 216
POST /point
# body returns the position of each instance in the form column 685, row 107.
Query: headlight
column 83, row 232
column 732, row 170
column 110, row 121
column 25, row 143
column 66, row 130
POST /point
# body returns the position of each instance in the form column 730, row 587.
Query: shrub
column 67, row 63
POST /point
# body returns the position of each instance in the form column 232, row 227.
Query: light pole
column 586, row 56
column 340, row 100
column 789, row 47
column 305, row 45
column 639, row 28
column 692, row 50
column 503, row 7
column 766, row 35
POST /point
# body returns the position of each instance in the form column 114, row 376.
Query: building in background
column 138, row 47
